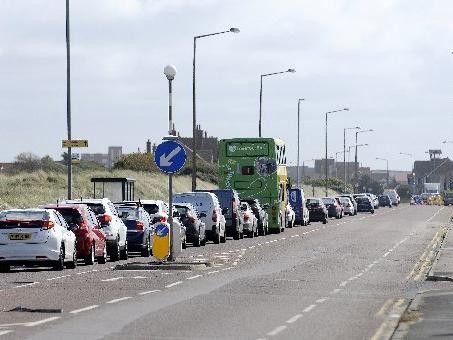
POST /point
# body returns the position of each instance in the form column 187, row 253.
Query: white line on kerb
column 77, row 311
column 194, row 277
column 173, row 284
column 276, row 330
column 119, row 300
column 309, row 308
column 149, row 292
column 294, row 318
column 40, row 322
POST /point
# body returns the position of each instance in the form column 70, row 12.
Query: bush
column 137, row 162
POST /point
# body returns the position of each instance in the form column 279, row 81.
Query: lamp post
column 68, row 99
column 412, row 184
column 349, row 154
column 409, row 155
column 344, row 153
column 384, row 159
column 290, row 70
column 327, row 115
column 355, row 159
column 194, row 111
column 170, row 73
column 298, row 139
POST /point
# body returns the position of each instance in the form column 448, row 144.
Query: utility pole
column 68, row 100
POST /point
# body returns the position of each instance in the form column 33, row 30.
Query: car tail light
column 214, row 215
column 234, row 215
column 83, row 225
column 139, row 225
column 46, row 225
column 246, row 217
column 105, row 218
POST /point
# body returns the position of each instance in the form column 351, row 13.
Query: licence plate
column 15, row 237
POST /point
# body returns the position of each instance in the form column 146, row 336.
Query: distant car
column 207, row 203
column 90, row 238
column 364, row 204
column 230, row 202
column 290, row 216
column 334, row 208
column 111, row 223
column 352, row 199
column 140, row 230
column 157, row 210
column 36, row 237
column 385, row 201
column 261, row 214
column 250, row 221
column 190, row 218
column 448, row 198
column 318, row 211
column 297, row 201
column 347, row 205
column 393, row 196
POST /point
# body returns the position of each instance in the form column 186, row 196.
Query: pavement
column 342, row 280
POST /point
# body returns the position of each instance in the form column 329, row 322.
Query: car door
column 98, row 233
column 67, row 235
column 122, row 230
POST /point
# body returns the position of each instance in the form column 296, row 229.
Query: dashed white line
column 235, row 263
column 27, row 285
column 77, row 311
column 149, row 292
column 113, row 279
column 335, row 291
column 194, row 277
column 294, row 318
column 40, row 322
column 276, row 330
column 343, row 284
column 6, row 332
column 309, row 308
column 322, row 300
column 386, row 254
column 173, row 284
column 213, row 272
column 119, row 300
column 58, row 277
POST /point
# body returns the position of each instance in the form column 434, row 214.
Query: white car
column 290, row 216
column 36, row 237
column 348, row 206
column 157, row 210
column 113, row 226
column 250, row 222
column 394, row 197
column 208, row 204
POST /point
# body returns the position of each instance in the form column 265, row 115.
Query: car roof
column 87, row 200
column 79, row 207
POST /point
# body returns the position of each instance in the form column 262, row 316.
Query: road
column 338, row 280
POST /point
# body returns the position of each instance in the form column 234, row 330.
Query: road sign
column 75, row 143
column 161, row 241
column 170, row 157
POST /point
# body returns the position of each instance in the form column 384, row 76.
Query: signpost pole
column 68, row 100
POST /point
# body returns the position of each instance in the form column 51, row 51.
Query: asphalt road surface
column 337, row 280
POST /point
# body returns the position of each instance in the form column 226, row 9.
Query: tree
column 27, row 161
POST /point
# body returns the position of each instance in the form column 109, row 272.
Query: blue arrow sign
column 170, row 157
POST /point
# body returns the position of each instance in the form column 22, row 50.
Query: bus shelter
column 117, row 189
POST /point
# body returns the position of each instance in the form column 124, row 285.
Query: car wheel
column 124, row 253
column 103, row 259
column 197, row 242
column 203, row 242
column 115, row 251
column 236, row 235
column 89, row 260
column 324, row 221
column 59, row 264
column 73, row 263
column 372, row 211
column 5, row 268
column 184, row 245
column 147, row 251
column 217, row 238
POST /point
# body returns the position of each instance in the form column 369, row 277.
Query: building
column 108, row 160
column 207, row 146
column 434, row 170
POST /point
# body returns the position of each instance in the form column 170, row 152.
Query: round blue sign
column 170, row 156
column 161, row 229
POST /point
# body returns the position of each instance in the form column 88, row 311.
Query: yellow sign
column 75, row 143
column 161, row 241
column 76, row 161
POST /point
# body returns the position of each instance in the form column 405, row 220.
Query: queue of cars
column 92, row 230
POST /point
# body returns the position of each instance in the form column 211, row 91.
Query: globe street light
column 194, row 111
column 298, row 139
column 290, row 70
column 349, row 155
column 327, row 114
column 355, row 160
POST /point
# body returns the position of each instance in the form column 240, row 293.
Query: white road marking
column 119, row 300
column 194, row 277
column 58, row 277
column 309, row 308
column 335, row 291
column 294, row 318
column 324, row 299
column 27, row 285
column 77, row 311
column 228, row 268
column 149, row 292
column 343, row 284
column 173, row 284
column 276, row 330
column 259, row 244
column 213, row 272
column 6, row 332
column 40, row 322
column 352, row 278
column 113, row 279
column 386, row 254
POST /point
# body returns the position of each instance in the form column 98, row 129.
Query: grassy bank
column 40, row 187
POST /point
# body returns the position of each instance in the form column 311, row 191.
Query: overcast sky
column 389, row 61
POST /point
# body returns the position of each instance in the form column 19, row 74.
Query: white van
column 207, row 204
column 394, row 197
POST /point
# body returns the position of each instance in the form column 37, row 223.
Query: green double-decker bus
column 256, row 169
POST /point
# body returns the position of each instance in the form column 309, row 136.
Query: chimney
column 148, row 146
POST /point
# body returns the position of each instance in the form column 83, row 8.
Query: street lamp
column 194, row 111
column 409, row 155
column 327, row 114
column 68, row 100
column 290, row 70
column 384, row 159
column 349, row 155
column 355, row 160
column 344, row 153
column 298, row 139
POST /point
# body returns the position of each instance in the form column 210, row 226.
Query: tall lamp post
column 194, row 111
column 68, row 99
column 344, row 153
column 327, row 115
column 355, row 159
column 298, row 139
column 384, row 159
column 170, row 73
column 290, row 70
column 412, row 184
column 349, row 154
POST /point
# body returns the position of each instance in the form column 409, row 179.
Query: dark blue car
column 140, row 230
column 297, row 202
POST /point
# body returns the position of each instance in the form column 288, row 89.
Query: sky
column 389, row 61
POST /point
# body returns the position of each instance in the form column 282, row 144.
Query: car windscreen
column 23, row 219
column 362, row 200
column 225, row 198
column 71, row 216
column 328, row 201
column 97, row 208
column 127, row 212
column 151, row 208
column 344, row 199
column 313, row 202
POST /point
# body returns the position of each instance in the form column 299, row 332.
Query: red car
column 90, row 238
